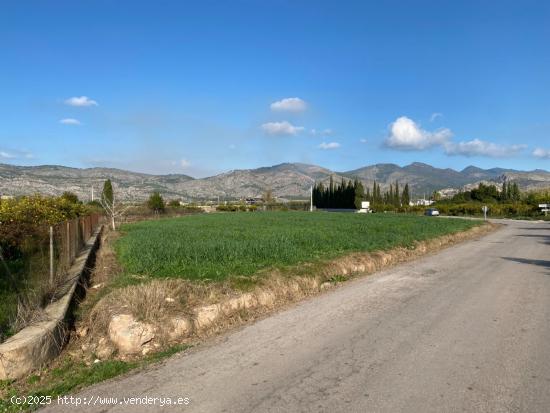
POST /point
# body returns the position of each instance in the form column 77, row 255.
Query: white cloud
column 289, row 105
column 7, row 155
column 477, row 147
column 329, row 145
column 184, row 163
column 435, row 115
column 281, row 128
column 324, row 132
column 14, row 154
column 69, row 121
column 405, row 134
column 81, row 101
column 541, row 153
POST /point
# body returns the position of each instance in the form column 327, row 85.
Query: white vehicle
column 431, row 212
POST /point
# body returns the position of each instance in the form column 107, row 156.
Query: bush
column 155, row 202
column 495, row 209
column 24, row 244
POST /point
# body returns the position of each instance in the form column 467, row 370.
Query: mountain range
column 287, row 180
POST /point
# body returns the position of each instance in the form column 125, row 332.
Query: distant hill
column 287, row 180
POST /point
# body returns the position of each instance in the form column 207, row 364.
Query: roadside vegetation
column 67, row 375
column 508, row 202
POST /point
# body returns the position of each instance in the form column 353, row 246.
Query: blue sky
column 204, row 87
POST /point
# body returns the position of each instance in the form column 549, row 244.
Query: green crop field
column 216, row 246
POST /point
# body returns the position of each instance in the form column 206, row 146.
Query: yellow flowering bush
column 24, row 219
column 39, row 210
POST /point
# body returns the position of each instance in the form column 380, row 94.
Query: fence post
column 68, row 243
column 51, row 256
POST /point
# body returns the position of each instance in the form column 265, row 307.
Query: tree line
column 349, row 195
column 489, row 193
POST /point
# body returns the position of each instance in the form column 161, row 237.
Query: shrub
column 174, row 203
column 155, row 202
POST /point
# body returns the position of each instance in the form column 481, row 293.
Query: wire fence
column 35, row 261
column 71, row 237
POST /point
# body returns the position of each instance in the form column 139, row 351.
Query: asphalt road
column 464, row 330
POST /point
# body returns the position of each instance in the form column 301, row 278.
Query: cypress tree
column 107, row 193
column 396, row 201
column 515, row 192
column 330, row 197
column 359, row 194
column 504, row 192
column 406, row 197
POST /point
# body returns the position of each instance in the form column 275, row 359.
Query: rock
column 245, row 301
column 169, row 300
column 82, row 331
column 249, row 300
column 326, row 285
column 129, row 335
column 206, row 315
column 104, row 349
column 181, row 327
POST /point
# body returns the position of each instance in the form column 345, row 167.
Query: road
column 464, row 330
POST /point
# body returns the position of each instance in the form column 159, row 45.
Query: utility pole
column 92, row 193
column 311, row 199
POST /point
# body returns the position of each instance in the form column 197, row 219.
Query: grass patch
column 215, row 247
column 72, row 375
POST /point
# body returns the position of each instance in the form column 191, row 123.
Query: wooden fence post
column 68, row 242
column 51, row 256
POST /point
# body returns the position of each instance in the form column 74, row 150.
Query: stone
column 104, row 349
column 243, row 302
column 206, row 315
column 82, row 331
column 181, row 327
column 128, row 334
column 326, row 285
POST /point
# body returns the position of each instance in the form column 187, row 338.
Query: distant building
column 253, row 201
column 421, row 202
column 365, row 207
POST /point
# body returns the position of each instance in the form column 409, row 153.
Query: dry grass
column 106, row 264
